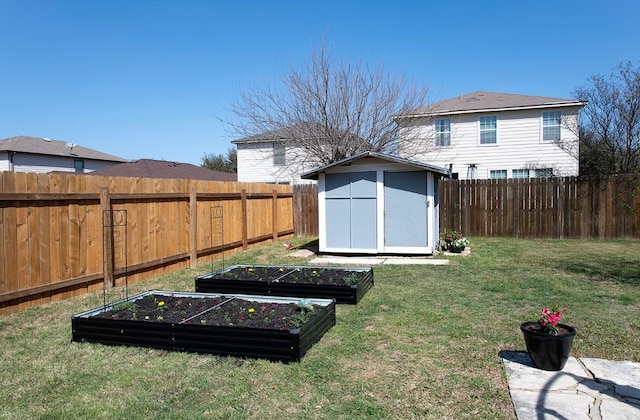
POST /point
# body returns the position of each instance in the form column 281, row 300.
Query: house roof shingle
column 480, row 101
column 150, row 168
column 302, row 130
column 45, row 146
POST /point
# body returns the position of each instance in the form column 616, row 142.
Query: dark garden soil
column 320, row 276
column 538, row 329
column 215, row 311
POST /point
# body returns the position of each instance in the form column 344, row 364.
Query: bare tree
column 220, row 162
column 610, row 125
column 326, row 110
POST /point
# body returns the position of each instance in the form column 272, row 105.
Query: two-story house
column 41, row 155
column 487, row 135
column 273, row 157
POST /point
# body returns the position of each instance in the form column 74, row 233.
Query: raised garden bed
column 266, row 327
column 344, row 284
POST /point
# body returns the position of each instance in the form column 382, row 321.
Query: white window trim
column 277, row 155
column 497, row 132
column 535, row 175
column 521, row 177
column 436, row 132
column 506, row 171
column 542, row 140
column 81, row 166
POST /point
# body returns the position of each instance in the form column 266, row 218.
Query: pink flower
column 549, row 319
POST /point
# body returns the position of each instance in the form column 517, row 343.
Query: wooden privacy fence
column 542, row 207
column 531, row 208
column 63, row 234
column 305, row 201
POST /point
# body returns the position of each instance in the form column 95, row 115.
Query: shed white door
column 405, row 209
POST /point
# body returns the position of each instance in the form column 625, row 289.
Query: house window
column 278, row 154
column 544, row 173
column 78, row 166
column 551, row 122
column 472, row 171
column 489, row 130
column 520, row 173
column 443, row 132
column 498, row 174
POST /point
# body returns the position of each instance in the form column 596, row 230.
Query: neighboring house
column 270, row 157
column 150, row 168
column 41, row 155
column 484, row 135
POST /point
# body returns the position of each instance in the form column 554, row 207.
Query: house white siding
column 519, row 144
column 5, row 165
column 256, row 164
column 27, row 162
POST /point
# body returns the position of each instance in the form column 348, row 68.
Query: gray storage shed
column 373, row 203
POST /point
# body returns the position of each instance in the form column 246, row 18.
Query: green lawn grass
column 423, row 343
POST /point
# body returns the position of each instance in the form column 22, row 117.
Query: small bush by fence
column 62, row 234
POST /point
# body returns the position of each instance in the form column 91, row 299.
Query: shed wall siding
column 352, row 208
column 519, row 145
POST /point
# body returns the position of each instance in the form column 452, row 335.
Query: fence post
column 274, row 211
column 193, row 228
column 243, row 201
column 107, row 239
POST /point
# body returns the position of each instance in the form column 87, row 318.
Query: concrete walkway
column 349, row 260
column 590, row 389
column 329, row 259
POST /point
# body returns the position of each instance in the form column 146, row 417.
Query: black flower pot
column 456, row 249
column 548, row 351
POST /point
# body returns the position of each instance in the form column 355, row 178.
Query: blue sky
column 151, row 78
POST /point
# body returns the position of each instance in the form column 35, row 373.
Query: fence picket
column 52, row 236
column 543, row 208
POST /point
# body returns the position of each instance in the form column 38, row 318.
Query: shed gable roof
column 313, row 174
column 45, row 146
column 480, row 101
